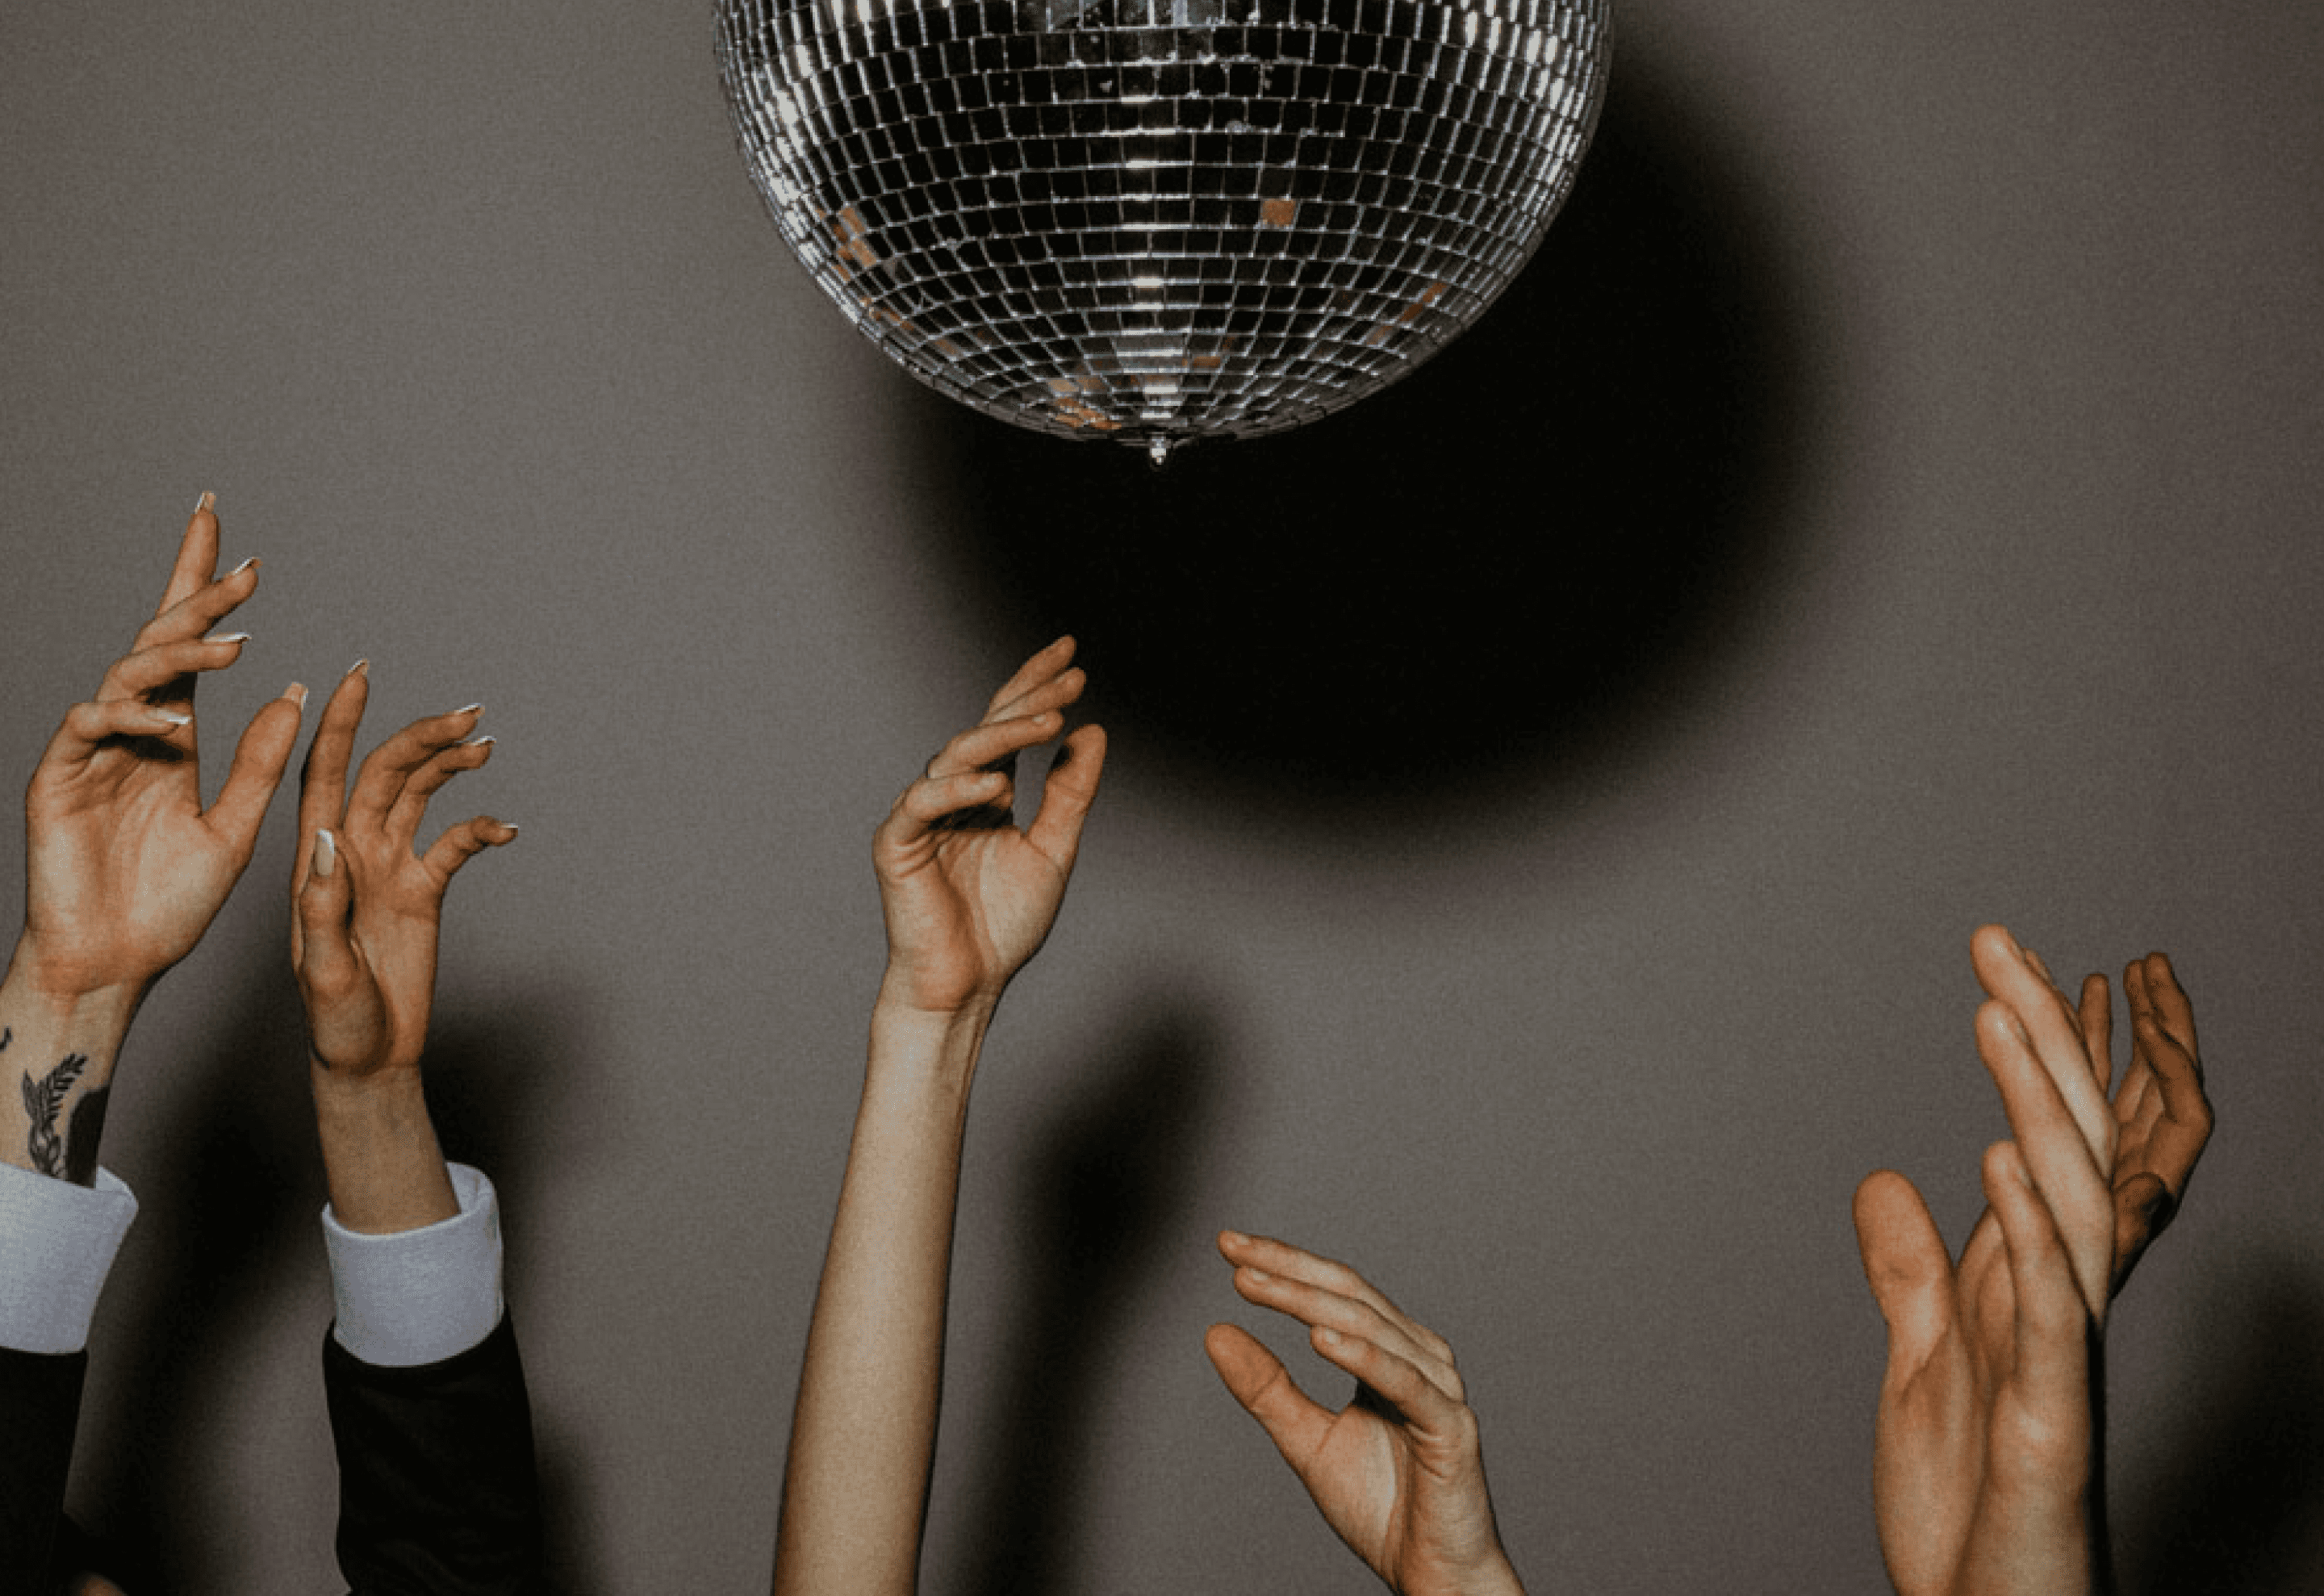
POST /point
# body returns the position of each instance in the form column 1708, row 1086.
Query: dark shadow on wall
column 1495, row 577
column 2240, row 1512
column 1109, row 1191
column 232, row 1202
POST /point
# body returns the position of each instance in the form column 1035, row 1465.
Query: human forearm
column 58, row 1047
column 381, row 1160
column 863, row 1433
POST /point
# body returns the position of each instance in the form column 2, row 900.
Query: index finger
column 197, row 556
column 1270, row 1256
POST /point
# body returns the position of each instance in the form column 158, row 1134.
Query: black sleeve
column 40, row 1404
column 439, row 1493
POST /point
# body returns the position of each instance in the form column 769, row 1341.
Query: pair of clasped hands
column 1985, row 1466
column 125, row 869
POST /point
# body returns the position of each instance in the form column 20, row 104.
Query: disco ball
column 1154, row 220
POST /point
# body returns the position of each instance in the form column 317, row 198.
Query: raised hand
column 364, row 936
column 968, row 896
column 1985, row 1475
column 1396, row 1473
column 125, row 869
column 2148, row 1137
column 1969, row 1468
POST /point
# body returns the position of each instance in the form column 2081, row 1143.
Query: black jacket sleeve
column 40, row 1404
column 438, row 1491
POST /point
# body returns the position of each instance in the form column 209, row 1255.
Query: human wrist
column 91, row 1017
column 381, row 1161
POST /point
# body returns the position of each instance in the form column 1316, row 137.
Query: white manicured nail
column 327, row 854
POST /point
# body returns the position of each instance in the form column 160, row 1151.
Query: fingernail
column 1328, row 1337
column 170, row 715
column 1235, row 1238
column 512, row 829
column 245, row 566
column 476, row 741
column 1260, row 1274
column 327, row 854
column 208, row 501
column 297, row 693
column 360, row 667
column 469, row 709
column 231, row 637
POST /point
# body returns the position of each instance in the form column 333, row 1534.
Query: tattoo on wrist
column 43, row 1100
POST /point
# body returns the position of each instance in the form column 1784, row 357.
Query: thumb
column 326, row 958
column 1256, row 1378
column 1906, row 1265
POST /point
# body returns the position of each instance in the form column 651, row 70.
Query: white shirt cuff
column 57, row 1243
column 419, row 1296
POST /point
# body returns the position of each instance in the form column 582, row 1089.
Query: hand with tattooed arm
column 124, row 870
column 968, row 896
column 1987, row 1474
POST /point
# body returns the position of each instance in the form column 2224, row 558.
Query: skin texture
column 125, row 868
column 368, row 910
column 1985, row 1476
column 1398, row 1473
column 968, row 896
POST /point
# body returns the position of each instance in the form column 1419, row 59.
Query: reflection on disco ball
column 1161, row 219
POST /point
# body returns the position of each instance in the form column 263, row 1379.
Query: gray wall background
column 1888, row 505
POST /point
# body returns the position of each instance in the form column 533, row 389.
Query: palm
column 123, row 874
column 965, row 911
column 373, row 1014
column 968, row 896
column 1934, row 1446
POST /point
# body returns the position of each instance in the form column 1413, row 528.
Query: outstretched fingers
column 1320, row 1290
column 1038, row 676
column 382, row 777
column 2017, row 977
column 2078, row 1188
column 410, row 805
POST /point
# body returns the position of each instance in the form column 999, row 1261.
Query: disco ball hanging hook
column 1159, row 220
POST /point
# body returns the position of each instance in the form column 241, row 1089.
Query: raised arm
column 1986, row 1473
column 1398, row 1473
column 369, row 905
column 439, row 1488
column 968, row 897
column 125, row 868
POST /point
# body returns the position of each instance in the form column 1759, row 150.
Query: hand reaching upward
column 969, row 896
column 369, row 907
column 125, row 869
column 1396, row 1473
column 368, row 910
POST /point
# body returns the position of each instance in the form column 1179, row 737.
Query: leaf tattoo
column 43, row 1100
